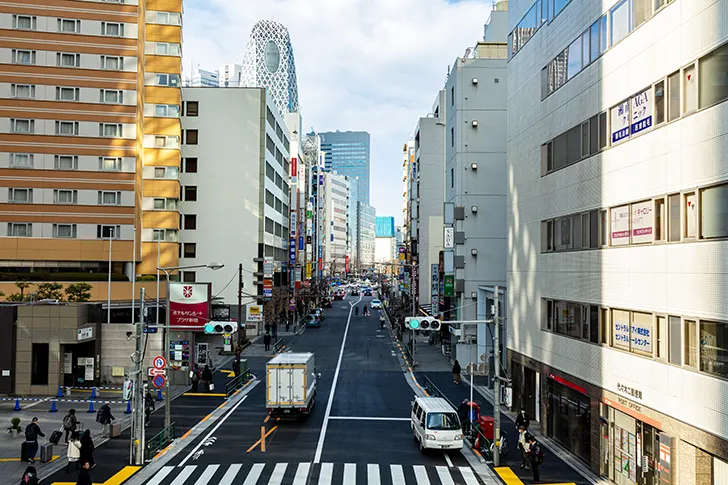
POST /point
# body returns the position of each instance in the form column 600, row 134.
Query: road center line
column 222, row 420
column 325, row 425
column 368, row 418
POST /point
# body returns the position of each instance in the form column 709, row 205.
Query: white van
column 435, row 424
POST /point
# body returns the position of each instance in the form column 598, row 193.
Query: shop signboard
column 255, row 313
column 294, row 217
column 449, row 238
column 620, row 321
column 620, row 122
column 665, row 458
column 85, row 333
column 642, row 111
column 294, row 167
column 435, row 287
column 620, row 225
column 642, row 222
column 189, row 304
column 449, row 285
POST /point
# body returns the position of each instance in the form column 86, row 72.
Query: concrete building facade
column 366, row 223
column 617, row 235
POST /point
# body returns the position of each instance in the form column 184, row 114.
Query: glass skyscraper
column 347, row 153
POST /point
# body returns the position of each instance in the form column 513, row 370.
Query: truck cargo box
column 291, row 383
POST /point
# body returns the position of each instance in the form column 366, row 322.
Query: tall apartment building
column 336, row 222
column 367, row 224
column 245, row 214
column 91, row 101
column 617, row 191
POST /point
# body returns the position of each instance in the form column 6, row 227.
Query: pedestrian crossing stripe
column 307, row 473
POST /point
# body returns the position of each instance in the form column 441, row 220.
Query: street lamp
column 168, row 395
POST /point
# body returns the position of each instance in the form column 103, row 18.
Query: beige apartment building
column 89, row 135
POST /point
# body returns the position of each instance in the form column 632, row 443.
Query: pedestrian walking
column 84, row 475
column 87, row 449
column 523, row 419
column 267, row 327
column 536, row 456
column 32, row 431
column 74, row 451
column 148, row 407
column 266, row 341
column 236, row 362
column 523, row 446
column 207, row 377
column 195, row 378
column 275, row 330
column 288, row 324
column 30, row 476
column 356, row 311
column 456, row 372
column 104, row 418
column 70, row 423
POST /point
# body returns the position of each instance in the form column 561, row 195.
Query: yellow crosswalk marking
column 117, row 479
column 510, row 478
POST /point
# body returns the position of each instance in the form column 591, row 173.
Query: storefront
column 569, row 416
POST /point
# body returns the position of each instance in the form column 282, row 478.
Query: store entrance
column 631, row 449
column 569, row 419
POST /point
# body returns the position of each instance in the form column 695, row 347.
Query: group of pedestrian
column 532, row 455
column 204, row 375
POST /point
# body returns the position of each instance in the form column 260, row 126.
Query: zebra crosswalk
column 314, row 474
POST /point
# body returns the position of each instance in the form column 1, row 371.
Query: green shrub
column 75, row 276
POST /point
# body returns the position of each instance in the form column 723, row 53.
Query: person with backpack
column 536, row 455
column 104, row 418
column 30, row 477
column 70, row 423
column 74, row 451
column 32, row 431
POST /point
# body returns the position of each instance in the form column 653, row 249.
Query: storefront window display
column 569, row 418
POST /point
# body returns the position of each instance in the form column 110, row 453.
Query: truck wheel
column 423, row 450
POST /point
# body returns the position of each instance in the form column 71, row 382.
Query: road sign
column 151, row 372
column 159, row 362
column 159, row 381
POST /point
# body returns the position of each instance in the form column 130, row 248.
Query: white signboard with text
column 642, row 222
column 620, row 122
column 642, row 111
column 620, row 225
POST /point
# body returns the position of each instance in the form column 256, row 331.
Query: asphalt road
column 358, row 431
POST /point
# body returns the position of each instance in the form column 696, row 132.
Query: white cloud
column 372, row 65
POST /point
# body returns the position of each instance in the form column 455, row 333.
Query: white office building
column 618, row 233
column 203, row 78
column 234, row 205
column 230, row 76
column 336, row 222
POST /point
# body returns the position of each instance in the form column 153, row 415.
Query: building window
column 452, row 177
column 165, row 141
column 67, row 128
column 673, row 93
column 164, row 235
column 691, row 346
column 22, row 56
column 112, row 29
column 21, row 160
column 189, row 276
column 109, row 164
column 714, row 348
column 110, row 130
column 109, row 197
column 619, row 22
column 269, row 226
column 67, row 231
column 25, row 22
column 604, row 326
column 163, row 49
column 161, row 79
column 164, row 18
column 714, row 212
column 190, row 250
column 690, row 86
column 65, row 196
column 673, row 212
column 69, row 26
column 68, row 94
column 171, row 173
column 39, row 364
column 691, row 215
column 191, row 137
column 162, row 204
column 714, row 77
column 452, row 137
column 662, row 337
column 660, row 219
column 452, row 96
column 192, row 108
column 660, row 102
column 108, row 232
column 22, row 91
column 190, row 165
column 269, row 199
column 111, row 96
column 190, row 193
column 24, row 127
column 20, row 196
column 20, row 229
column 190, row 221
column 68, row 60
column 112, row 63
column 674, row 340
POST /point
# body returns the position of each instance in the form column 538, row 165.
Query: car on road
column 355, row 292
column 313, row 321
column 326, row 303
column 339, row 295
column 320, row 313
column 376, row 304
column 435, row 424
column 368, row 292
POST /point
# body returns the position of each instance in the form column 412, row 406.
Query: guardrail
column 237, row 382
column 278, row 346
column 159, row 441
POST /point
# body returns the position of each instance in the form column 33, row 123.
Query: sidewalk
column 559, row 466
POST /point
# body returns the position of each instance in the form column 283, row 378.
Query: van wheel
column 423, row 450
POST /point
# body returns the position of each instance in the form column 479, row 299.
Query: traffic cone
column 91, row 407
column 17, row 405
column 53, row 407
column 60, row 392
column 93, row 393
column 128, row 407
column 159, row 394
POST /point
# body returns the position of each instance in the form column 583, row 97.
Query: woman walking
column 456, row 372
column 74, row 451
column 87, row 449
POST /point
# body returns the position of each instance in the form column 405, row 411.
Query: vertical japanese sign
column 620, row 122
column 435, row 282
column 642, row 110
column 189, row 304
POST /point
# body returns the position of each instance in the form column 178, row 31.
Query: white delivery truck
column 291, row 384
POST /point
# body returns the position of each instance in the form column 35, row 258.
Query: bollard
column 17, row 405
column 93, row 393
column 60, row 392
column 159, row 394
column 53, row 407
column 128, row 407
column 91, row 407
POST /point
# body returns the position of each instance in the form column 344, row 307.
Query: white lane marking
column 373, row 474
column 254, row 474
column 277, row 476
column 397, row 474
column 444, row 474
column 326, row 474
column 368, row 418
column 302, row 474
column 468, row 475
column 207, row 475
column 421, row 475
column 349, row 474
column 184, row 475
column 161, row 475
column 230, row 475
column 448, row 460
column 325, row 425
column 222, row 420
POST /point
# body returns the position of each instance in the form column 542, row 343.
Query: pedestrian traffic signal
column 422, row 323
column 218, row 328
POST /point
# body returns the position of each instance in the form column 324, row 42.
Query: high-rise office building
column 81, row 144
column 348, row 153
column 617, row 203
column 269, row 63
column 230, row 76
column 367, row 224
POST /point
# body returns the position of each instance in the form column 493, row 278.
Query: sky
column 362, row 65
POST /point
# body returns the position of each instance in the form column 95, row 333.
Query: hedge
column 44, row 276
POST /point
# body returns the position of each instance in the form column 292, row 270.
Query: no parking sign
column 159, row 381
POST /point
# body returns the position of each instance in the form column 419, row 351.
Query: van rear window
column 442, row 421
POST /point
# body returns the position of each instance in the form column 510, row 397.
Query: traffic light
column 218, row 328
column 422, row 323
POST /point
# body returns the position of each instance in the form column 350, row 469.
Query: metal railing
column 237, row 382
column 161, row 440
column 278, row 346
column 435, row 391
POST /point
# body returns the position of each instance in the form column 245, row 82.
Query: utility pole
column 496, row 401
column 137, row 418
column 242, row 337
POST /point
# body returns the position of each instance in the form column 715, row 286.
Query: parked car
column 339, row 295
column 320, row 313
column 313, row 321
column 376, row 304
